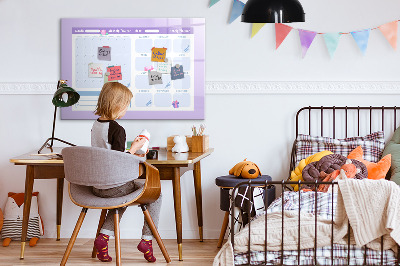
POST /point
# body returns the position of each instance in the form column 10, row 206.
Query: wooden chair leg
column 101, row 222
column 154, row 230
column 117, row 238
column 73, row 237
column 223, row 229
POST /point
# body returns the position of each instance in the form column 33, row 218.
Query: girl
column 106, row 133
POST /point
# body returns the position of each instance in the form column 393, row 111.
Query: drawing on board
column 160, row 60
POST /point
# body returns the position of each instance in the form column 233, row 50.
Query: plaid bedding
column 322, row 207
column 372, row 145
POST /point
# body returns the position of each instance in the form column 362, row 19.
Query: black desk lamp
column 58, row 101
column 273, row 11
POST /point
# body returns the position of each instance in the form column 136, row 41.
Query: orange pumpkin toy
column 245, row 169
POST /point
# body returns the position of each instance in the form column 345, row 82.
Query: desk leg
column 199, row 204
column 60, row 190
column 176, row 182
column 27, row 206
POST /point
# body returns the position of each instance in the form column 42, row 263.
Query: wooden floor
column 50, row 252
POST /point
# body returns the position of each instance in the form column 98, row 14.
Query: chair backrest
column 92, row 166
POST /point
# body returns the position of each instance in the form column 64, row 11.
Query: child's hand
column 143, row 155
column 137, row 144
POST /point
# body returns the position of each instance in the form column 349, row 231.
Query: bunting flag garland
column 213, row 2
column 306, row 39
column 281, row 31
column 237, row 9
column 389, row 30
column 256, row 27
column 332, row 41
column 361, row 37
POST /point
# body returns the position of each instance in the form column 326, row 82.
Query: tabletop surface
column 164, row 157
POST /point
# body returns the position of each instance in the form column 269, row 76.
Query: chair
column 85, row 167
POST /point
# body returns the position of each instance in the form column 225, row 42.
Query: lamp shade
column 73, row 96
column 273, row 11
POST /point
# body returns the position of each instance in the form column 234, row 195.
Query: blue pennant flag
column 332, row 41
column 237, row 9
column 361, row 37
column 213, row 2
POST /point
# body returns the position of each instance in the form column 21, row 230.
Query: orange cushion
column 375, row 170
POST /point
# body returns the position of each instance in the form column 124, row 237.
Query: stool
column 226, row 183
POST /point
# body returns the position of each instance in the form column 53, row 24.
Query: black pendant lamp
column 273, row 11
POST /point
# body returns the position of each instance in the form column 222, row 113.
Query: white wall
column 257, row 127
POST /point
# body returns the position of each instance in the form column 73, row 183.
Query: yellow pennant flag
column 255, row 28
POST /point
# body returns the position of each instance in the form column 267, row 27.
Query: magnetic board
column 161, row 60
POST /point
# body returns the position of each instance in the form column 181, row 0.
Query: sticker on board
column 164, row 67
column 158, row 54
column 115, row 73
column 155, row 78
column 104, row 53
column 177, row 72
column 95, row 70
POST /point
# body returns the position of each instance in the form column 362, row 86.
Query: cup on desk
column 152, row 155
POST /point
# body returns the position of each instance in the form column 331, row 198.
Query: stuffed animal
column 245, row 169
column 13, row 215
column 180, row 144
column 1, row 220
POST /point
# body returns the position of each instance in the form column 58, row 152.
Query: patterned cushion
column 372, row 144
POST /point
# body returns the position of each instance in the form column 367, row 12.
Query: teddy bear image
column 180, row 144
column 13, row 215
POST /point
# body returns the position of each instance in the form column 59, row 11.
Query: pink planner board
column 161, row 60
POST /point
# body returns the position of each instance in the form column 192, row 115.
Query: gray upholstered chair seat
column 83, row 195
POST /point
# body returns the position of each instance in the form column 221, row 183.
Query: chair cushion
column 83, row 196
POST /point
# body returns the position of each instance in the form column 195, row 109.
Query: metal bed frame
column 283, row 184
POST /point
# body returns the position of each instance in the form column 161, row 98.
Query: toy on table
column 180, row 144
column 245, row 169
column 144, row 134
column 13, row 215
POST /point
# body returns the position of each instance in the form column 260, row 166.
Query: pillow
column 296, row 174
column 375, row 170
column 372, row 144
column 393, row 148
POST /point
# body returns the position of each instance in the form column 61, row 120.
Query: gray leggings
column 154, row 208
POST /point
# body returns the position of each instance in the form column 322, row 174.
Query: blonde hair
column 113, row 98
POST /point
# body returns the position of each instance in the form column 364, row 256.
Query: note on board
column 95, row 70
column 104, row 53
column 177, row 72
column 164, row 67
column 155, row 77
column 115, row 73
column 158, row 54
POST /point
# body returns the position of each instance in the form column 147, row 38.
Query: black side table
column 226, row 183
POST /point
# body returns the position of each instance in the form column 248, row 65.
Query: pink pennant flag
column 306, row 39
column 389, row 30
column 281, row 31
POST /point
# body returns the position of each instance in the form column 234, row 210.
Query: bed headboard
column 344, row 121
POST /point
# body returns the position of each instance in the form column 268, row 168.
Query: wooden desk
column 168, row 164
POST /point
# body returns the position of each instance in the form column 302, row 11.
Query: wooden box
column 200, row 143
column 171, row 143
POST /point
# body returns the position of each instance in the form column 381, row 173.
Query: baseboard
column 246, row 87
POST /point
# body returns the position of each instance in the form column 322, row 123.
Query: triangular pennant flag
column 332, row 41
column 255, row 28
column 237, row 9
column 281, row 31
column 213, row 2
column 306, row 39
column 361, row 37
column 389, row 30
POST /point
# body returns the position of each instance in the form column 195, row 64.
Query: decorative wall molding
column 251, row 87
